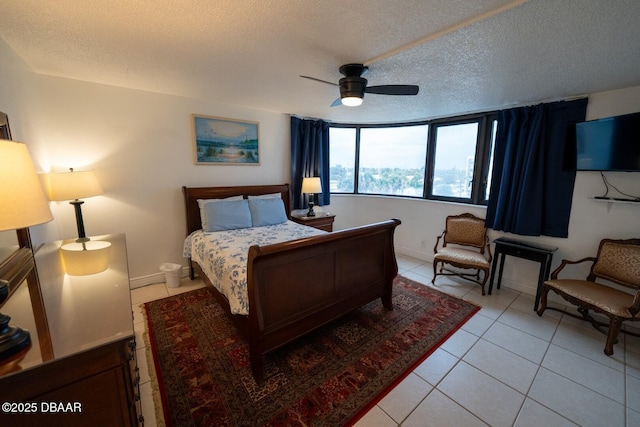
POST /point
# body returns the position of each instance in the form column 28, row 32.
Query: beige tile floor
column 505, row 367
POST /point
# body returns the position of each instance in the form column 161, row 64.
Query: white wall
column 591, row 221
column 139, row 145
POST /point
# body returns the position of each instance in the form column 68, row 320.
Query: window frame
column 481, row 162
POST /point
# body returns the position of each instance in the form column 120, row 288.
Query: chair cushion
column 465, row 231
column 472, row 259
column 604, row 297
column 619, row 262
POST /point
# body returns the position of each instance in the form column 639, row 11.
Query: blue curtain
column 532, row 181
column 309, row 157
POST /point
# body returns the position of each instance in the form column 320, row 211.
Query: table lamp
column 311, row 186
column 74, row 185
column 22, row 204
column 83, row 257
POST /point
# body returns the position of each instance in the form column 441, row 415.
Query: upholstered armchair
column 465, row 245
column 617, row 261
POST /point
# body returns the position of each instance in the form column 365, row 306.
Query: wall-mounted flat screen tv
column 609, row 144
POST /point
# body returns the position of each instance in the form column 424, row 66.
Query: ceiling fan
column 353, row 86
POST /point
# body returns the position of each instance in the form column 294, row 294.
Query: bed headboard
column 192, row 194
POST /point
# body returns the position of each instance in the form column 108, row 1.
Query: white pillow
column 267, row 196
column 203, row 202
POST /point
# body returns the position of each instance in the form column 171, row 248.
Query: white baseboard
column 139, row 282
column 527, row 288
column 423, row 256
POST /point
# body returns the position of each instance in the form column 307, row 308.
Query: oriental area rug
column 330, row 377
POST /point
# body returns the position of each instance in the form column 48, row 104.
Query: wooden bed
column 297, row 286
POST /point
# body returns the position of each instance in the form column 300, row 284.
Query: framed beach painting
column 220, row 141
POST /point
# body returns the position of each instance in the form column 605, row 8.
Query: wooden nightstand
column 322, row 221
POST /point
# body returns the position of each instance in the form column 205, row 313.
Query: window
column 392, row 160
column 444, row 159
column 454, row 159
column 342, row 159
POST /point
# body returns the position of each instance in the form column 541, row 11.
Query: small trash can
column 172, row 273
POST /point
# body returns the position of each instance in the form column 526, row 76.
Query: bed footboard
column 298, row 286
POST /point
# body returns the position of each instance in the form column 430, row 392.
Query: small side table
column 531, row 251
column 322, row 221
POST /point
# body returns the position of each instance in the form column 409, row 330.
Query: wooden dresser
column 82, row 370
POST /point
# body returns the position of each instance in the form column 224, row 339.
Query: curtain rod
column 512, row 105
column 543, row 101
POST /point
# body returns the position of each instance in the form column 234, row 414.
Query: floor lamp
column 22, row 204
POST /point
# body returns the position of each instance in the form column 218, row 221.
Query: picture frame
column 5, row 131
column 222, row 141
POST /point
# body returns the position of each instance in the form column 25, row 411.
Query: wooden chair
column 463, row 246
column 617, row 261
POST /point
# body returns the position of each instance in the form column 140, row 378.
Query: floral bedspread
column 223, row 255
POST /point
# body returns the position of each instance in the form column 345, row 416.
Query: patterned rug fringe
column 151, row 366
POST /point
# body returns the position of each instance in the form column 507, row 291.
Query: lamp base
column 82, row 236
column 311, row 212
column 12, row 339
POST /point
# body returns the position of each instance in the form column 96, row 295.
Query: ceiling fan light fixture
column 351, row 101
column 352, row 90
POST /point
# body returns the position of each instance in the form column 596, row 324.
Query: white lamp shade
column 83, row 259
column 311, row 185
column 22, row 201
column 72, row 185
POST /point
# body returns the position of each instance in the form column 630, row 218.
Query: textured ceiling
column 466, row 55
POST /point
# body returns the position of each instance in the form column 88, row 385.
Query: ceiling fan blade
column 337, row 102
column 393, row 89
column 318, row 80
